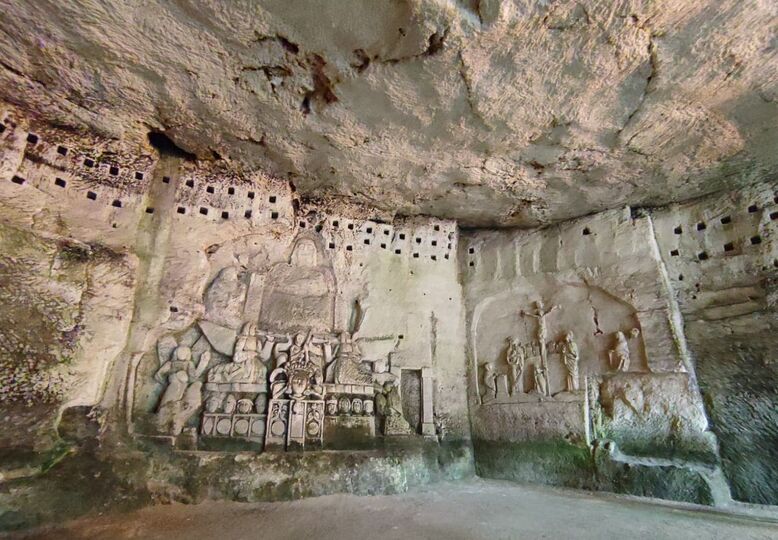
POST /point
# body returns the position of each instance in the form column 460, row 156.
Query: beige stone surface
column 499, row 112
column 488, row 510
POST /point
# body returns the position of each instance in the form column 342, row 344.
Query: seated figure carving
column 348, row 367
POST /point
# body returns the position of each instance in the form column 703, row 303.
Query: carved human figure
column 541, row 380
column 619, row 355
column 390, row 406
column 181, row 374
column 299, row 364
column 515, row 359
column 540, row 314
column 570, row 357
column 348, row 367
column 490, row 383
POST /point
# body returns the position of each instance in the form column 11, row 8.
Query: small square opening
column 674, row 253
column 586, row 231
column 91, row 195
column 331, row 245
column 755, row 240
column 138, row 175
column 729, row 246
column 678, row 230
column 190, row 183
column 149, row 210
column 726, row 220
column 272, row 199
column 62, row 151
column 701, row 226
column 210, row 189
column 703, row 256
column 18, row 180
column 230, row 191
column 349, row 248
column 165, row 179
column 114, row 170
column 225, row 215
column 753, row 208
column 273, row 215
column 203, row 210
column 247, row 214
column 116, row 203
column 251, row 194
column 89, row 162
column 181, row 210
column 32, row 138
column 60, row 182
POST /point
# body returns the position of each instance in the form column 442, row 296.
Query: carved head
column 213, row 402
column 488, row 367
column 539, row 305
column 183, row 353
column 229, row 404
column 299, row 339
column 569, row 336
column 304, row 253
column 388, row 385
column 332, row 406
column 241, row 356
column 249, row 329
column 245, row 406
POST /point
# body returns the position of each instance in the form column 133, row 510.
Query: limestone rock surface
column 491, row 112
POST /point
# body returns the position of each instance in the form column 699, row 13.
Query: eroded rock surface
column 492, row 112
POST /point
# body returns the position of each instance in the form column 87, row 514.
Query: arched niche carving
column 594, row 315
column 299, row 294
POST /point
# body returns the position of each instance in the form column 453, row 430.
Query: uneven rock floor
column 467, row 510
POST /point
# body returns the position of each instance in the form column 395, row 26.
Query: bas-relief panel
column 541, row 346
column 266, row 365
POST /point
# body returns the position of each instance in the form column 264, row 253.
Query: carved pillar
column 427, row 409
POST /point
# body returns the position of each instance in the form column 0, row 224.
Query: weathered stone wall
column 721, row 255
column 595, row 277
column 111, row 253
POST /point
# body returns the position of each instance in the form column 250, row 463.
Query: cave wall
column 115, row 255
column 721, row 255
column 632, row 392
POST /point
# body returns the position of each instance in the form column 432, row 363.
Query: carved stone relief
column 553, row 346
column 282, row 378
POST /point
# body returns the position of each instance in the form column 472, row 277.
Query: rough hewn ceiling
column 492, row 112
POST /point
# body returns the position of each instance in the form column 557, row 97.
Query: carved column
column 427, row 409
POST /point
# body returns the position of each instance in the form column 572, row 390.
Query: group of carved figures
column 517, row 354
column 303, row 367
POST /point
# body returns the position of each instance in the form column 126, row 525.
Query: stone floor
column 478, row 509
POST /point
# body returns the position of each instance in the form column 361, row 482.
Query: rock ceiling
column 489, row 111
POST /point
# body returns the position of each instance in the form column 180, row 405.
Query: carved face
column 368, row 407
column 332, row 407
column 245, row 406
column 183, row 353
column 229, row 404
column 213, row 403
column 241, row 356
column 569, row 337
column 299, row 339
column 304, row 253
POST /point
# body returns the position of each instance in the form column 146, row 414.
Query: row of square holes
column 726, row 220
column 59, row 182
column 230, row 190
column 117, row 203
column 224, row 215
column 729, row 246
column 88, row 162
